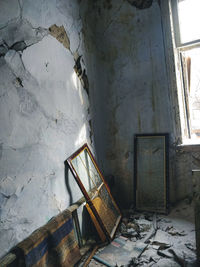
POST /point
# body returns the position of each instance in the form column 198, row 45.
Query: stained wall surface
column 44, row 112
column 131, row 85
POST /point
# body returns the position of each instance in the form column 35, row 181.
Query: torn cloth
column 51, row 245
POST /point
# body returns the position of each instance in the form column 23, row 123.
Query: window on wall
column 186, row 26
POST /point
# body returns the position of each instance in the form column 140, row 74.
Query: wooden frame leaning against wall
column 101, row 206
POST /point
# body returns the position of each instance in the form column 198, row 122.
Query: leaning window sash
column 185, row 84
column 186, row 80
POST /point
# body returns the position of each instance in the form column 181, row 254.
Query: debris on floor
column 152, row 240
column 120, row 252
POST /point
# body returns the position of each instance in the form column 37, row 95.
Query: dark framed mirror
column 151, row 179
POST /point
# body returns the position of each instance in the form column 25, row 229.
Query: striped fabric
column 53, row 245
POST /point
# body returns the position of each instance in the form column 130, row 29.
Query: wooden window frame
column 180, row 47
column 95, row 216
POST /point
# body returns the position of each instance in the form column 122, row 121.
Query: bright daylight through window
column 186, row 19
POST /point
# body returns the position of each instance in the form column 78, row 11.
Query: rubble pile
column 170, row 240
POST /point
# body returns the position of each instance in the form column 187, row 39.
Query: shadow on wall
column 86, row 225
column 88, row 228
column 67, row 183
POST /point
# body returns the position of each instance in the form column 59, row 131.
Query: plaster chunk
column 9, row 10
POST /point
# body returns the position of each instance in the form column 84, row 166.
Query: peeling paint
column 18, row 82
column 43, row 112
column 81, row 73
column 60, row 34
column 78, row 67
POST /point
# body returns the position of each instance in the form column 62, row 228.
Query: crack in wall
column 22, row 75
column 18, row 46
column 19, row 35
column 28, row 140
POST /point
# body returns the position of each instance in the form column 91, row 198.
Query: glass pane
column 106, row 209
column 151, row 181
column 189, row 20
column 86, row 170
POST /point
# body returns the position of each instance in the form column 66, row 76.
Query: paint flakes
column 60, row 34
column 81, row 73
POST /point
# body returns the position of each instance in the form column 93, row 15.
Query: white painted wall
column 44, row 114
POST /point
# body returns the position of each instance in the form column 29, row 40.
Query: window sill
column 190, row 145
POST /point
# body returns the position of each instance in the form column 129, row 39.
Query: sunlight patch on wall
column 75, row 80
column 82, row 136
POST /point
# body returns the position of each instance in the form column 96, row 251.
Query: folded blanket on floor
column 51, row 245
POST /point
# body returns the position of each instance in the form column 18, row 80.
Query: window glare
column 194, row 91
column 189, row 20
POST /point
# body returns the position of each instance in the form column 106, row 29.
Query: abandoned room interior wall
column 185, row 157
column 44, row 111
column 132, row 88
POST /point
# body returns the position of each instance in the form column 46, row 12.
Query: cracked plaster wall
column 44, row 112
column 130, row 88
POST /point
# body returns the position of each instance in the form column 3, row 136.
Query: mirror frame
column 164, row 137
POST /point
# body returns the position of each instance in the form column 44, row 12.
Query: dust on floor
column 170, row 239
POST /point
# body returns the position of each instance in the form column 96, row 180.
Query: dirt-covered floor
column 155, row 240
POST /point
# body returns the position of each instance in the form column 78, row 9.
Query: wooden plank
column 90, row 256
